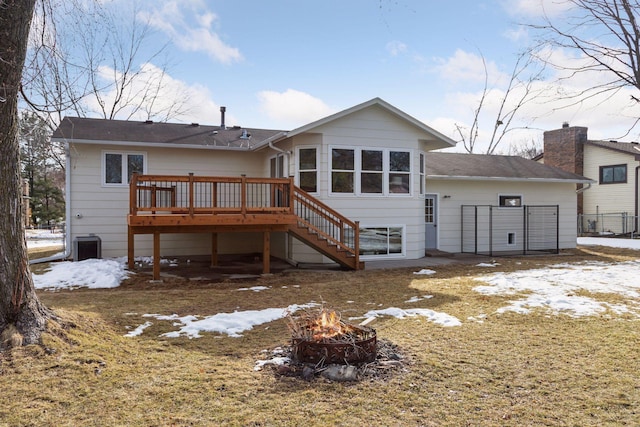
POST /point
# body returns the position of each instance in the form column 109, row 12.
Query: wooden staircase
column 326, row 230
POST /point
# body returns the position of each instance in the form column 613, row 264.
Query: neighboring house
column 611, row 203
column 368, row 163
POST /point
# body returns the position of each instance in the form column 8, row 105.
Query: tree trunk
column 20, row 307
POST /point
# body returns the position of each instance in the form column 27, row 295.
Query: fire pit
column 323, row 339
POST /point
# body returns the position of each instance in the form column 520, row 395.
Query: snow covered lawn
column 571, row 289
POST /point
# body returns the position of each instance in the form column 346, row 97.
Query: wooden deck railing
column 327, row 223
column 165, row 203
column 205, row 195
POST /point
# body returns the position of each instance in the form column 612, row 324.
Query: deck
column 161, row 204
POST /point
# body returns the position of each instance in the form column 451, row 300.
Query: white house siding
column 377, row 129
column 468, row 192
column 103, row 210
column 608, row 198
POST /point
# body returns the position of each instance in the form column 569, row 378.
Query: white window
column 423, row 177
column 382, row 241
column 308, row 169
column 119, row 167
column 399, row 172
column 276, row 166
column 342, row 170
column 370, row 171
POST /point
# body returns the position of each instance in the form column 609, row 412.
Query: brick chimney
column 564, row 149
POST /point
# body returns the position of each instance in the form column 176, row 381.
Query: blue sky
column 284, row 63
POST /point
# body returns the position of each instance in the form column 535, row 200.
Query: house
column 486, row 203
column 348, row 188
column 611, row 203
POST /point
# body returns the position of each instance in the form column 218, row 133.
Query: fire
column 328, row 325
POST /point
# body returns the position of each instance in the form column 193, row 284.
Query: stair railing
column 327, row 223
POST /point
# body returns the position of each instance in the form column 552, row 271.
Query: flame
column 328, row 325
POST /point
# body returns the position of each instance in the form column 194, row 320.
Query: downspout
column 583, row 189
column 67, row 213
column 280, row 150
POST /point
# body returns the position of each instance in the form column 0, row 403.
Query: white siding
column 371, row 128
column 486, row 193
column 103, row 210
column 608, row 198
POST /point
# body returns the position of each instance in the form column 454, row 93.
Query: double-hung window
column 308, row 169
column 119, row 167
column 370, row 171
column 342, row 170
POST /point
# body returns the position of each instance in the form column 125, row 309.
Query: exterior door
column 431, row 221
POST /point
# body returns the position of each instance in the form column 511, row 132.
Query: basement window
column 382, row 241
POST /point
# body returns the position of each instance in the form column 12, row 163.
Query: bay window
column 370, row 171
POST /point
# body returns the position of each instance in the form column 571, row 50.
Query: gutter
column 67, row 213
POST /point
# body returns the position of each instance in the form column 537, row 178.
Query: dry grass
column 511, row 370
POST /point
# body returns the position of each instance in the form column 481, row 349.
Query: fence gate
column 491, row 230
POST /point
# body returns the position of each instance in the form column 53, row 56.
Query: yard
column 541, row 340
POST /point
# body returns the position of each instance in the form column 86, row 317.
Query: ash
column 389, row 362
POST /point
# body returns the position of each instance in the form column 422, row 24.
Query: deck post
column 214, row 249
column 156, row 256
column 266, row 252
column 130, row 249
column 291, row 194
column 356, row 244
column 243, row 194
column 191, row 201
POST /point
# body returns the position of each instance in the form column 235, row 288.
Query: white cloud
column 293, row 107
column 396, row 48
column 171, row 98
column 467, row 67
column 191, row 27
column 536, row 8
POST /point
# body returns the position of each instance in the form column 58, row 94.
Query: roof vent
column 149, row 122
column 565, row 125
column 245, row 134
column 195, row 124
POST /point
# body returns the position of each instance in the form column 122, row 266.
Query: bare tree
column 22, row 316
column 606, row 36
column 520, row 89
column 85, row 60
column 529, row 149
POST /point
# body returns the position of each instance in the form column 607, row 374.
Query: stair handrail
column 332, row 220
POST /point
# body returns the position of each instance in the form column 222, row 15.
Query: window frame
column 388, row 254
column 300, row 170
column 358, row 171
column 124, row 162
column 601, row 180
column 422, row 174
column 503, row 197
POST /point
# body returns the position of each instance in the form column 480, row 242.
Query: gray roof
column 625, row 147
column 491, row 167
column 102, row 131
